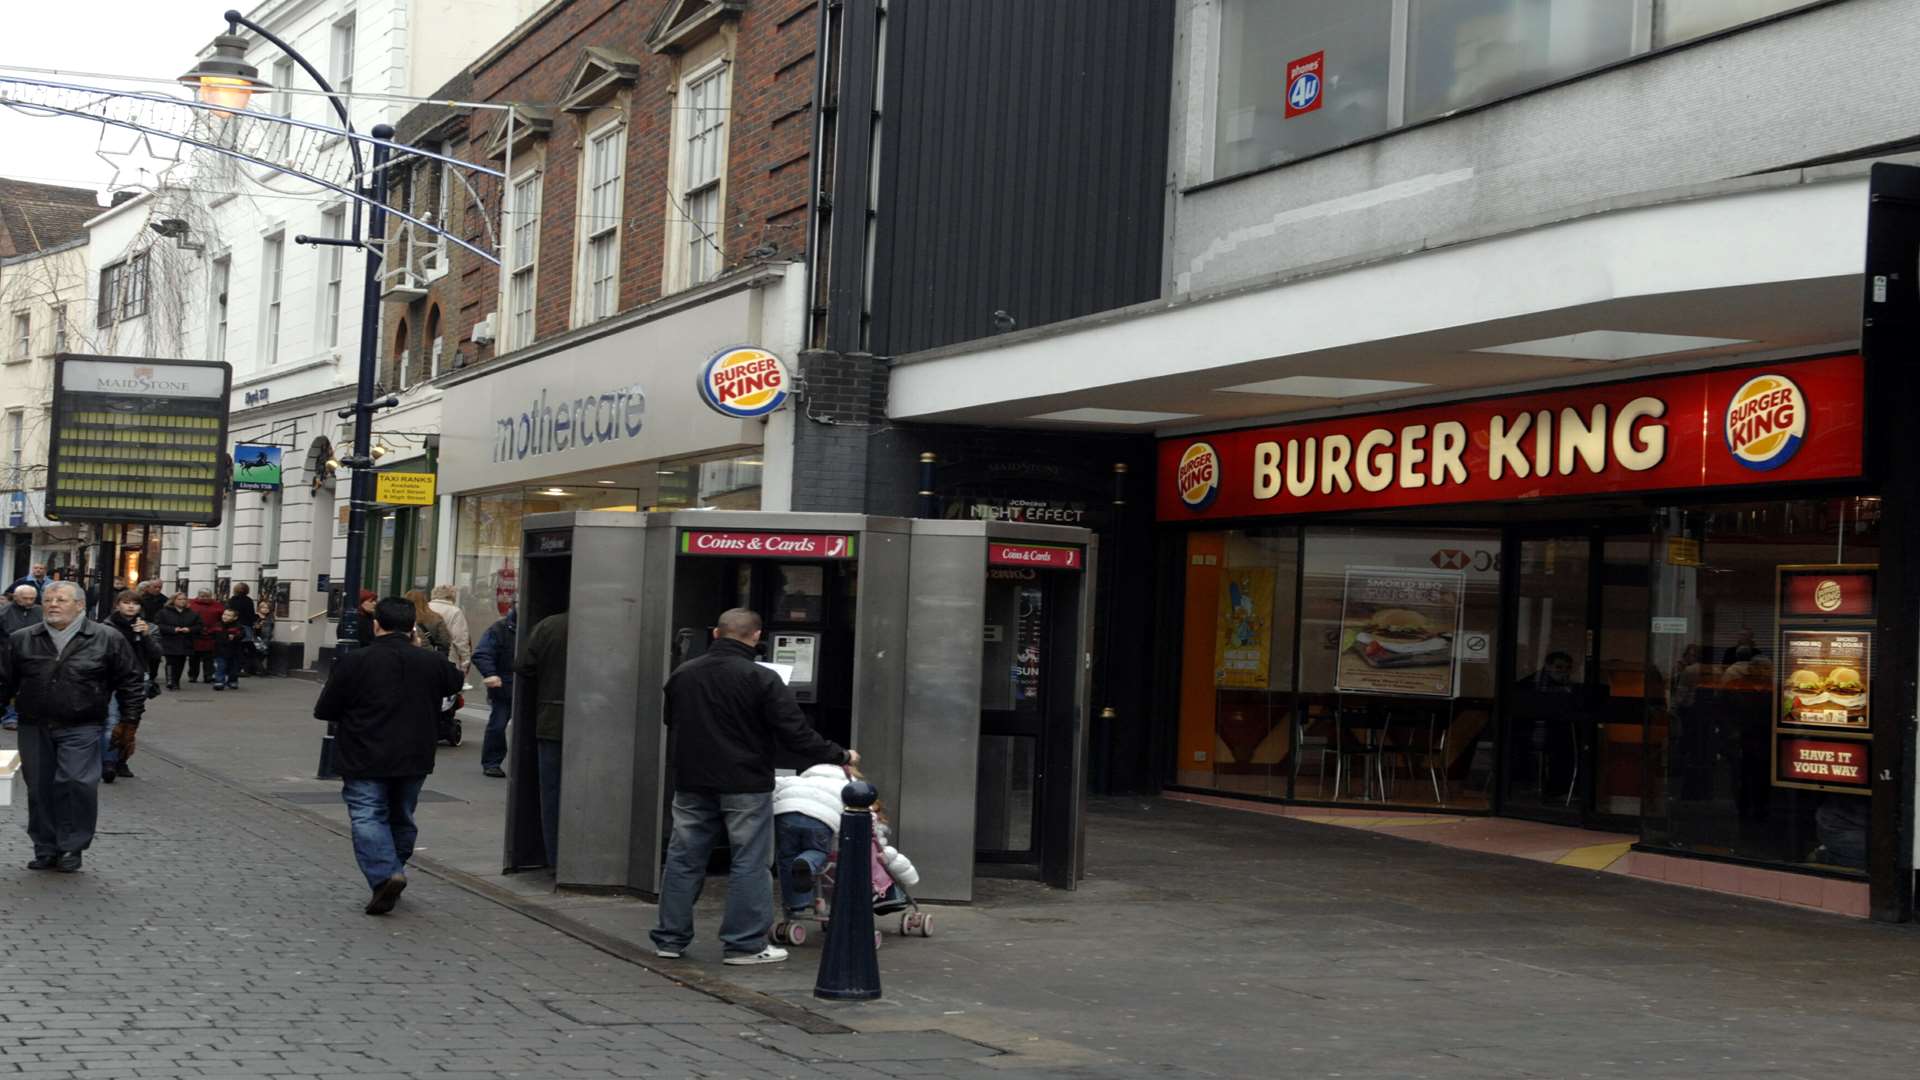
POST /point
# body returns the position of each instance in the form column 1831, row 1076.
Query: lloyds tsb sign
column 550, row 427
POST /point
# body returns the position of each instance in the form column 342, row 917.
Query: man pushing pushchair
column 806, row 821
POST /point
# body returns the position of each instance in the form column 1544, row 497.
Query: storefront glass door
column 1576, row 692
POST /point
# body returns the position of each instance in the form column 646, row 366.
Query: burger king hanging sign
column 1198, row 476
column 744, row 381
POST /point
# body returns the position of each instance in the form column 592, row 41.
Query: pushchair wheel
column 916, row 924
column 788, row 933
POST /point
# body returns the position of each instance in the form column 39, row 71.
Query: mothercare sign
column 1779, row 423
column 619, row 399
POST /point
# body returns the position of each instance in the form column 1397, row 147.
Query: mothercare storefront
column 1646, row 606
column 607, row 420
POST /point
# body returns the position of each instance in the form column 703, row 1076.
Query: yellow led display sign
column 137, row 440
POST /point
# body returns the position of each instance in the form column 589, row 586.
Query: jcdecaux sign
column 1780, row 423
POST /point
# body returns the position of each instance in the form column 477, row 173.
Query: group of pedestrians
column 209, row 640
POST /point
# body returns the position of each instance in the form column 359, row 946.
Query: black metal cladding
column 1023, row 156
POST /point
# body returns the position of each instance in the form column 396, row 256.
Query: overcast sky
column 124, row 37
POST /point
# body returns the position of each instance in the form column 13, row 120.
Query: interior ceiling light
column 1113, row 416
column 1611, row 345
column 1321, row 386
column 552, row 491
column 607, row 483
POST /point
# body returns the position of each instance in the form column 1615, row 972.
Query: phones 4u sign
column 138, row 440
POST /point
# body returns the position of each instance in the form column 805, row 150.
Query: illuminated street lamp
column 225, row 80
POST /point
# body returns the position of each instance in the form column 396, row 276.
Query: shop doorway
column 1576, row 678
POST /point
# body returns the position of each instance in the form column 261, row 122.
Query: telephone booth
column 921, row 644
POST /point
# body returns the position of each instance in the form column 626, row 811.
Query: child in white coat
column 806, row 819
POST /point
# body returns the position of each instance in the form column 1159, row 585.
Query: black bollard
column 849, row 968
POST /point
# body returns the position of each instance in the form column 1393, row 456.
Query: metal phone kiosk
column 998, row 664
column 877, row 624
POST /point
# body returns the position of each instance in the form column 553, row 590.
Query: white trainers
column 667, row 954
column 772, row 954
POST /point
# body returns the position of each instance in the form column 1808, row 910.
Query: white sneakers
column 772, row 954
column 667, row 954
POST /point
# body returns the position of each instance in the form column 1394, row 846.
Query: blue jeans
column 493, row 745
column 226, row 672
column 797, row 836
column 383, row 830
column 109, row 757
column 698, row 820
column 549, row 764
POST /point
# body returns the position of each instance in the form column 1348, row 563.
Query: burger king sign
column 1198, row 476
column 1766, row 422
column 744, row 381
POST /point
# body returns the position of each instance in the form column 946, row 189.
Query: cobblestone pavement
column 215, row 934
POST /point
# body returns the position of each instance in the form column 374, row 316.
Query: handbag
column 153, row 689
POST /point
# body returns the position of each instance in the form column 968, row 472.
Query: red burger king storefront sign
column 1781, row 423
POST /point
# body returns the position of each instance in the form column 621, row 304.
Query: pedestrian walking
column 726, row 717
column 494, row 656
column 384, row 703
column 60, row 673
column 152, row 598
column 363, row 626
column 178, row 627
column 23, row 612
column 200, row 661
column 446, row 604
column 38, row 579
column 138, row 631
column 545, row 663
column 429, row 628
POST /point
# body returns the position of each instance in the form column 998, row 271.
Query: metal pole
column 363, row 409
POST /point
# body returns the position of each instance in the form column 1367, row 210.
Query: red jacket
column 209, row 611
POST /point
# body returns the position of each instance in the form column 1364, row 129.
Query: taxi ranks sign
column 137, row 440
column 403, row 488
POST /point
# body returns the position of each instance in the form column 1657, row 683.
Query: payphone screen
column 798, row 652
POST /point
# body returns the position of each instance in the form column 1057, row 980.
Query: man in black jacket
column 23, row 612
column 726, row 717
column 385, row 702
column 61, row 673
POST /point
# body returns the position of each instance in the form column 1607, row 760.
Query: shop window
column 1261, row 40
column 1237, row 660
column 1729, row 653
column 1398, row 676
column 1682, row 20
column 1297, row 77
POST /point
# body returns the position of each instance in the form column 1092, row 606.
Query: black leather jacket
column 62, row 691
column 728, row 718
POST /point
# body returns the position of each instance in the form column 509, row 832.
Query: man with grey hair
column 60, row 673
column 22, row 613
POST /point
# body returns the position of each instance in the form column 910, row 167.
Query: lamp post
column 225, row 79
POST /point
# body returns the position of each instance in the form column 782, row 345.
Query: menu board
column 136, row 440
column 1822, row 727
column 1243, row 638
column 1826, row 678
column 1397, row 632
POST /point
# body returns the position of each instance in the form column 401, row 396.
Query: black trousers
column 200, row 666
column 174, row 664
column 61, row 766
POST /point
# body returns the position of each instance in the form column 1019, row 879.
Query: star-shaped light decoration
column 146, row 163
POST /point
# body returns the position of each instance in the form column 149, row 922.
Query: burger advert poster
column 1397, row 632
column 1823, row 681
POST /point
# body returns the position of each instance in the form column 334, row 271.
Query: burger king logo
column 744, row 381
column 1197, row 477
column 1827, row 595
column 1766, row 422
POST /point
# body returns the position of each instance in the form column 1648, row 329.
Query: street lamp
column 223, row 79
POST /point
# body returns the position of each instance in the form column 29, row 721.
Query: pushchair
column 889, row 898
